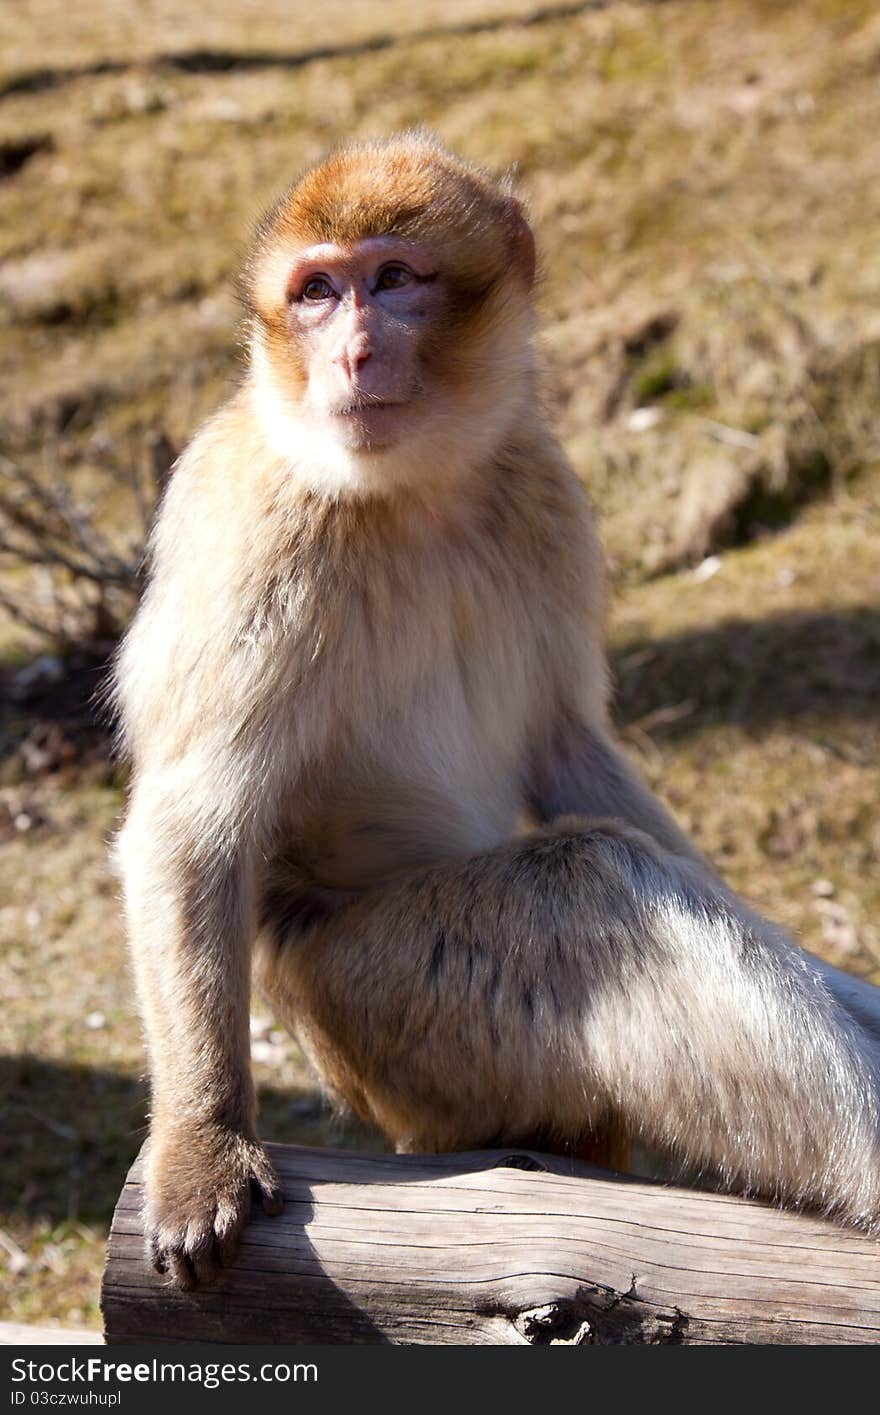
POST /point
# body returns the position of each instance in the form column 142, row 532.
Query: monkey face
column 364, row 318
column 391, row 317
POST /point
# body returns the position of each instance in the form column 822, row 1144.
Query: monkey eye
column 393, row 277
column 317, row 287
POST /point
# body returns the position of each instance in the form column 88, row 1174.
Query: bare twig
column 90, row 589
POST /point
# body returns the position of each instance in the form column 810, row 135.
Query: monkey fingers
column 199, row 1193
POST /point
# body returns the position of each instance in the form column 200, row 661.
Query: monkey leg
column 576, row 978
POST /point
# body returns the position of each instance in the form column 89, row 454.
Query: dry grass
column 706, row 197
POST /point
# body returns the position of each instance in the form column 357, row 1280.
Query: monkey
column 366, row 702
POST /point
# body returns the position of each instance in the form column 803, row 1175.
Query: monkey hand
column 198, row 1199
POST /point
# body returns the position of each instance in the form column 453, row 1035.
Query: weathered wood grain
column 502, row 1247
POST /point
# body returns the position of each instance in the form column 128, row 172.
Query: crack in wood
column 521, row 1161
column 600, row 1316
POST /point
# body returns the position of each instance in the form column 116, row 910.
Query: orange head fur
column 442, row 357
column 408, row 186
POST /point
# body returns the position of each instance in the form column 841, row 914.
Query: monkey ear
column 523, row 240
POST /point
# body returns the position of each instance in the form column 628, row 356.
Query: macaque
column 366, row 702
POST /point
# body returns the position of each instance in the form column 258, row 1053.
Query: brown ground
column 705, row 185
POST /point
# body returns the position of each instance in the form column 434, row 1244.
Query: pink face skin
column 361, row 315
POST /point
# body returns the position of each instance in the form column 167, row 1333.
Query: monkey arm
column 577, row 769
column 189, row 901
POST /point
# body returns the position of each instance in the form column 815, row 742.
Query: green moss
column 686, row 396
column 657, row 375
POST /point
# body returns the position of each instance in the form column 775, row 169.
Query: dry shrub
column 65, row 578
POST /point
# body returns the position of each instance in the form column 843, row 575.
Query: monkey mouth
column 370, row 424
column 359, row 407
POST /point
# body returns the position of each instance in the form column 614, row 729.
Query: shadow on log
column 507, row 1248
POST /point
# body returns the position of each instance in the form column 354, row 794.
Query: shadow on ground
column 69, row 1133
column 752, row 672
column 225, row 61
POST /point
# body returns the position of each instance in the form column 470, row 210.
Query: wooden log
column 502, row 1247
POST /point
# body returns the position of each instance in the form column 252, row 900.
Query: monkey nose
column 352, row 357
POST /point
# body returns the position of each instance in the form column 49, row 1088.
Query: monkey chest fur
column 410, row 690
